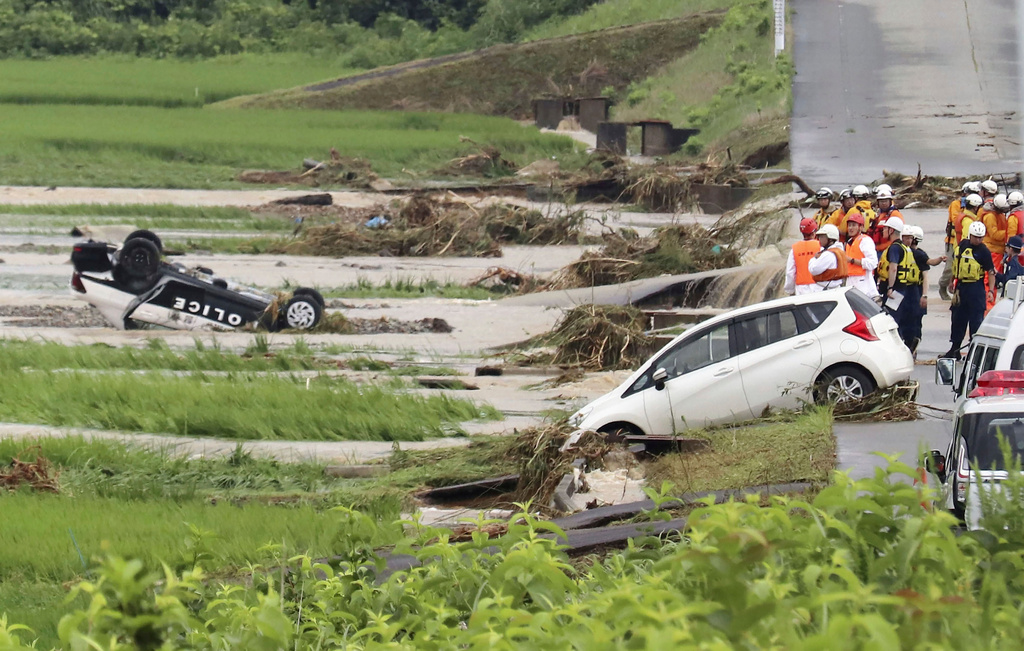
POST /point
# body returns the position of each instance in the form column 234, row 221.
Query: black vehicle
column 132, row 285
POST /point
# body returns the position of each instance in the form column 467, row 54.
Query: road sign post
column 780, row 26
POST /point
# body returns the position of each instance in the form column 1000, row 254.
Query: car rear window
column 861, row 303
column 812, row 315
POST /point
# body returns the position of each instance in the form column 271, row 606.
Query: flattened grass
column 140, row 146
column 798, row 449
column 62, row 217
column 236, row 406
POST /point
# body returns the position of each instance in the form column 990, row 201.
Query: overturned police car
column 131, row 286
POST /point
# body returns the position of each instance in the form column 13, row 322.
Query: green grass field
column 238, row 406
column 144, row 146
column 168, row 83
column 61, row 218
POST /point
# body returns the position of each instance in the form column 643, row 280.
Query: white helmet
column 1000, row 202
column 824, row 193
column 918, row 232
column 974, row 186
column 895, row 223
column 966, row 188
column 1015, row 199
column 883, row 187
column 861, row 192
column 830, row 231
column 990, row 186
column 977, row 229
column 974, row 200
column 883, row 193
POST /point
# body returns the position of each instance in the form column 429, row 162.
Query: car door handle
column 803, row 343
column 722, row 372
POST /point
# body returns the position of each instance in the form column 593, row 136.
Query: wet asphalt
column 890, row 84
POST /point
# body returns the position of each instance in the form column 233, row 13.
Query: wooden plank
column 472, row 489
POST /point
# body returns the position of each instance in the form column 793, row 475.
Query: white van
column 997, row 346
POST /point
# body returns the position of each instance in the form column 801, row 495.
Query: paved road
column 858, row 442
column 888, row 84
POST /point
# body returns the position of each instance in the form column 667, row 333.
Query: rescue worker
column 886, row 209
column 956, row 211
column 798, row 276
column 824, row 197
column 829, row 267
column 890, row 233
column 846, row 204
column 997, row 228
column 861, row 256
column 989, row 189
column 903, row 281
column 1015, row 216
column 971, row 262
column 972, row 203
column 924, row 263
column 1013, row 266
column 862, row 195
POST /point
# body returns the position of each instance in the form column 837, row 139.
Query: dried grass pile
column 428, row 226
column 601, row 337
column 675, row 249
column 354, row 172
column 38, row 475
column 487, row 161
column 536, row 452
column 895, row 404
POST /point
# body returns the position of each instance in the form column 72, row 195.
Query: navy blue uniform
column 971, row 310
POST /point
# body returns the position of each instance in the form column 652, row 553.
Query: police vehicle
column 132, row 286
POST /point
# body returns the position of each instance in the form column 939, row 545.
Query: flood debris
column 659, row 188
column 437, row 225
column 318, row 199
column 505, row 280
column 354, row 172
column 486, row 161
column 593, row 338
column 542, row 462
column 38, row 475
column 893, row 404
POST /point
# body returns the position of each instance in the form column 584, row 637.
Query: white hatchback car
column 833, row 345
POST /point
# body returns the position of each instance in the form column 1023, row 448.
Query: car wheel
column 139, row 259
column 301, row 313
column 617, row 432
column 843, row 384
column 309, row 291
column 146, row 235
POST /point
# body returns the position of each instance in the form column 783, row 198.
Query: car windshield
column 981, row 433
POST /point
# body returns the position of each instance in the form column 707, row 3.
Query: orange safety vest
column 1014, row 223
column 803, row 251
column 854, row 252
column 841, row 270
column 995, row 230
column 956, row 213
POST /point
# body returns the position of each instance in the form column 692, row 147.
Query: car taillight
column 998, row 383
column 861, row 327
column 76, row 283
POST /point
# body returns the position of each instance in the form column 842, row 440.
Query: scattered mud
column 52, row 316
column 385, row 325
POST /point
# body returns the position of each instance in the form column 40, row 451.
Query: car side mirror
column 659, row 378
column 935, row 463
column 944, row 371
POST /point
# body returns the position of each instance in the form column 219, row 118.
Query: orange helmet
column 808, row 226
column 856, row 218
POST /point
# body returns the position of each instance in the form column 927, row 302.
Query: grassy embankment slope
column 727, row 82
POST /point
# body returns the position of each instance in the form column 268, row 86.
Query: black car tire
column 139, row 259
column 301, row 313
column 843, row 383
column 309, row 291
column 146, row 235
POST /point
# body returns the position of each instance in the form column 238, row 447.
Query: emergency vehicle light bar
column 998, row 383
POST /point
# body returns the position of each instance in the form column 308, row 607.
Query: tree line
column 364, row 29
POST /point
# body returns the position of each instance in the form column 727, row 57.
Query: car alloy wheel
column 301, row 315
column 845, row 387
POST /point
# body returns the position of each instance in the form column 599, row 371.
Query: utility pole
column 780, row 26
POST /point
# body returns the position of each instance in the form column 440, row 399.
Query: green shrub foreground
column 862, row 565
